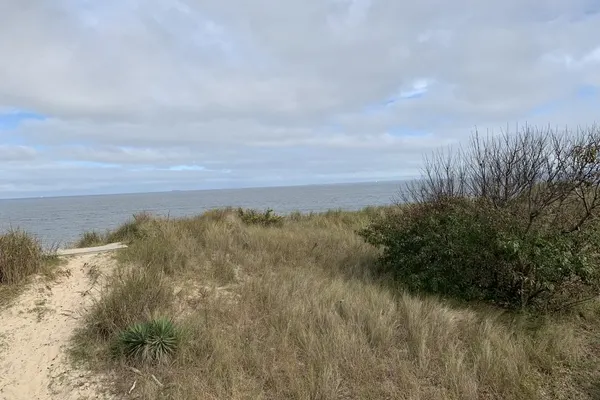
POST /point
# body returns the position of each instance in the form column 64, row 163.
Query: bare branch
column 536, row 173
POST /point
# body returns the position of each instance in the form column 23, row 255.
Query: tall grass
column 90, row 239
column 130, row 230
column 21, row 255
column 297, row 312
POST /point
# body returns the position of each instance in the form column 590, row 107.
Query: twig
column 135, row 370
column 132, row 387
column 157, row 381
column 576, row 302
column 138, row 372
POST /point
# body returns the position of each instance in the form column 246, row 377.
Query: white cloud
column 277, row 90
column 9, row 153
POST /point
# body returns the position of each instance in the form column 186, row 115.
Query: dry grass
column 90, row 239
column 295, row 312
column 130, row 230
column 21, row 256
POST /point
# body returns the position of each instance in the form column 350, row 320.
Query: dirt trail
column 35, row 332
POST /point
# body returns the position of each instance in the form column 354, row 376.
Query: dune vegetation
column 297, row 310
column 21, row 256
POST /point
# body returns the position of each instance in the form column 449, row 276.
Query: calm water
column 60, row 220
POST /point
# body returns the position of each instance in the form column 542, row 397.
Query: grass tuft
column 21, row 255
column 90, row 239
column 130, row 295
column 131, row 230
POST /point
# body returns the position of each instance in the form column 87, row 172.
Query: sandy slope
column 35, row 332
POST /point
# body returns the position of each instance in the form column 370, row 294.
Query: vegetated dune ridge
column 271, row 307
column 37, row 328
column 275, row 308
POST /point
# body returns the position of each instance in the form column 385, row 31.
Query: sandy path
column 35, row 332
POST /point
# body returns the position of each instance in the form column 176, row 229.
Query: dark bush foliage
column 266, row 218
column 471, row 251
column 512, row 220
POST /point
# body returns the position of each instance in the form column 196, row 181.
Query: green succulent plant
column 149, row 342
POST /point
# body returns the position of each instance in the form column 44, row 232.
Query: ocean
column 61, row 220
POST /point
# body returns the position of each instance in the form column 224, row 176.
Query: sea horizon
column 62, row 219
column 215, row 189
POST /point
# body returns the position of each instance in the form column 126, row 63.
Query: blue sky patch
column 588, row 91
column 89, row 164
column 583, row 92
column 12, row 120
column 186, row 168
column 417, row 90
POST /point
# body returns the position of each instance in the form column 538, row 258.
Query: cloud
column 195, row 93
column 10, row 153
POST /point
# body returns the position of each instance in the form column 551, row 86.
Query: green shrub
column 148, row 342
column 473, row 251
column 20, row 256
column 510, row 219
column 266, row 218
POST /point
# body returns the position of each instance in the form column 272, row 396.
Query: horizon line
column 210, row 189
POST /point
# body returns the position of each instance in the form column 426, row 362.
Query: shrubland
column 483, row 287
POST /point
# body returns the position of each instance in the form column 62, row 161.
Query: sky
column 148, row 95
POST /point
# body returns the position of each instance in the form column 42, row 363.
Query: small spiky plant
column 149, row 342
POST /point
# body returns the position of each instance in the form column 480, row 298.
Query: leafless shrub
column 544, row 174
